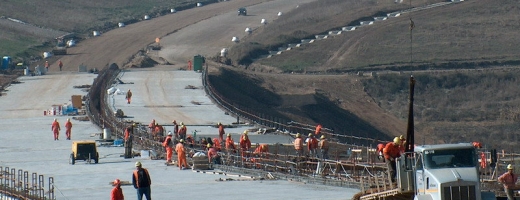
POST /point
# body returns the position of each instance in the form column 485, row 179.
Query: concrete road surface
column 26, row 140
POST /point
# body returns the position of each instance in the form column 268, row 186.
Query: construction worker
column 221, row 132
column 158, row 132
column 203, row 143
column 168, row 144
column 117, row 191
column 509, row 180
column 142, row 182
column 189, row 64
column 190, row 141
column 262, row 150
column 392, row 152
column 216, row 144
column 182, row 131
column 230, row 144
column 312, row 145
column 60, row 64
column 213, row 156
column 151, row 126
column 56, row 129
column 128, row 131
column 318, row 129
column 47, row 65
column 128, row 96
column 380, row 148
column 68, row 128
column 298, row 145
column 402, row 145
column 324, row 147
column 245, row 144
column 175, row 129
column 181, row 155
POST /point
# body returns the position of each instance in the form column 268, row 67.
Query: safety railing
column 20, row 184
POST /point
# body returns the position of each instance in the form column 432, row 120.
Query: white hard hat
column 169, row 133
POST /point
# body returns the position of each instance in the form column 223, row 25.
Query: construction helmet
column 181, row 141
column 170, row 133
column 117, row 182
column 322, row 137
column 310, row 134
column 262, row 146
column 134, row 124
column 401, row 137
column 298, row 135
column 138, row 164
column 182, row 123
column 229, row 134
column 219, row 123
column 246, row 132
column 209, row 145
column 397, row 140
column 509, row 166
column 68, row 119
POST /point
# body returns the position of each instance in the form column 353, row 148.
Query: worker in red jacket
column 392, row 152
column 213, row 156
column 318, row 129
column 312, row 145
column 117, row 191
column 221, row 132
column 56, row 129
column 68, row 128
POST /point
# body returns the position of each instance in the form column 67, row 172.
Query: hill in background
column 456, row 101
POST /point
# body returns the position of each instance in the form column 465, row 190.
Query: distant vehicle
column 242, row 11
column 84, row 150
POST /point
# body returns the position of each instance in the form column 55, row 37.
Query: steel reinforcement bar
column 19, row 184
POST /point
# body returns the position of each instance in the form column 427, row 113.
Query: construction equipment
column 84, row 150
column 242, row 11
column 61, row 48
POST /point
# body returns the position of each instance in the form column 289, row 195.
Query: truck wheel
column 72, row 161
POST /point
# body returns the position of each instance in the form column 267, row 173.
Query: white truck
column 441, row 172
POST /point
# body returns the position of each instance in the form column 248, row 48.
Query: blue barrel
column 5, row 62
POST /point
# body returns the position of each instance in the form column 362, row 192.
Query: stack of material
column 200, row 161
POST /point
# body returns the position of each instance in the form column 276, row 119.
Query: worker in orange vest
column 181, row 155
column 312, row 145
column 168, row 145
column 245, row 144
column 391, row 152
column 221, row 131
column 324, row 147
column 261, row 151
column 230, row 144
column 142, row 182
column 216, row 144
column 298, row 145
column 56, row 129
column 68, row 128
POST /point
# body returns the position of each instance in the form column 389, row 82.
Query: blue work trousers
column 146, row 191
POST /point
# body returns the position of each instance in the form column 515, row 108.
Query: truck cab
column 441, row 172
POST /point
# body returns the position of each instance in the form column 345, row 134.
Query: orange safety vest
column 324, row 144
column 137, row 177
column 298, row 143
column 391, row 150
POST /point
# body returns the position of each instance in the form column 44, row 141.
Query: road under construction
column 349, row 166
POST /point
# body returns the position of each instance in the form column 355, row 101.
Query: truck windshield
column 449, row 158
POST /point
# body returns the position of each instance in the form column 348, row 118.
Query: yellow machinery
column 84, row 150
